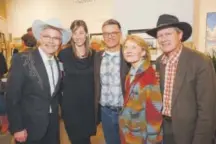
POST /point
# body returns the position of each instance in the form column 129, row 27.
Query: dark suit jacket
column 28, row 95
column 193, row 98
column 3, row 65
column 124, row 68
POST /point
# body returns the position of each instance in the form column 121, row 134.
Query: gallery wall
column 132, row 14
column 3, row 25
column 143, row 14
column 21, row 13
column 2, row 8
column 139, row 14
column 3, row 22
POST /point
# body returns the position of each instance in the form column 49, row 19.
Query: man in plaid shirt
column 187, row 80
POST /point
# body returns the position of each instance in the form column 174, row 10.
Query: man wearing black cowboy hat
column 187, row 82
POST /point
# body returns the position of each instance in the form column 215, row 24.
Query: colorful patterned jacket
column 141, row 120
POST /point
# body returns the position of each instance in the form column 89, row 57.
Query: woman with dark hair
column 78, row 101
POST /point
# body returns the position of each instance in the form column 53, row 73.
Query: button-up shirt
column 171, row 63
column 111, row 91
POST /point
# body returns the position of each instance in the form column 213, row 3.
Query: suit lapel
column 59, row 78
column 98, row 64
column 160, row 70
column 40, row 67
column 180, row 74
column 162, row 76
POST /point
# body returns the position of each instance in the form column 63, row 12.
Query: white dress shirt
column 47, row 65
column 46, row 59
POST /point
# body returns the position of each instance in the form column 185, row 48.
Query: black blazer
column 28, row 95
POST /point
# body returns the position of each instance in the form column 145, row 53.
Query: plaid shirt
column 170, row 71
column 111, row 91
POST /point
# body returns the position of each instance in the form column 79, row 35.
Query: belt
column 114, row 108
column 167, row 118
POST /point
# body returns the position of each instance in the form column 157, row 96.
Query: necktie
column 51, row 67
column 53, row 80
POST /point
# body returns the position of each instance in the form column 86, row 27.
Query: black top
column 3, row 65
column 78, row 94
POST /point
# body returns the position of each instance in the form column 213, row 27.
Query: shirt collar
column 133, row 70
column 107, row 53
column 172, row 58
column 44, row 55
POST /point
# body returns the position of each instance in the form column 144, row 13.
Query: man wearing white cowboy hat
column 33, row 90
column 187, row 82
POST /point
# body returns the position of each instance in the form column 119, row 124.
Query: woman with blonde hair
column 140, row 120
column 78, row 101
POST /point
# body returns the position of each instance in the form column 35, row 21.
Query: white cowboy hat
column 38, row 26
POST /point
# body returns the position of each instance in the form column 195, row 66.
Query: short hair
column 111, row 22
column 29, row 40
column 29, row 29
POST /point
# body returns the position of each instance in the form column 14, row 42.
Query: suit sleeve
column 153, row 114
column 205, row 92
column 14, row 94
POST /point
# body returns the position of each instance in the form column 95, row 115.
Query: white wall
column 143, row 14
column 3, row 26
column 21, row 13
column 132, row 14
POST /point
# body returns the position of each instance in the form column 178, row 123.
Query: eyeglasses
column 48, row 38
column 112, row 34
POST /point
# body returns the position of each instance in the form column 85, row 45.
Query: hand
column 21, row 136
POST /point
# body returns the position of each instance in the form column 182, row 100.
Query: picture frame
column 98, row 36
column 210, row 38
column 142, row 32
column 96, row 41
column 152, row 42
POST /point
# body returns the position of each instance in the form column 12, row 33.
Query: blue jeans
column 110, row 124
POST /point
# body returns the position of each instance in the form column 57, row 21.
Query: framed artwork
column 210, row 40
column 96, row 36
column 96, row 41
column 152, row 42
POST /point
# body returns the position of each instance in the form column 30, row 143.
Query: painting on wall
column 96, row 41
column 152, row 42
column 210, row 41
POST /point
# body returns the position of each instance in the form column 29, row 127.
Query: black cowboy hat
column 166, row 20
